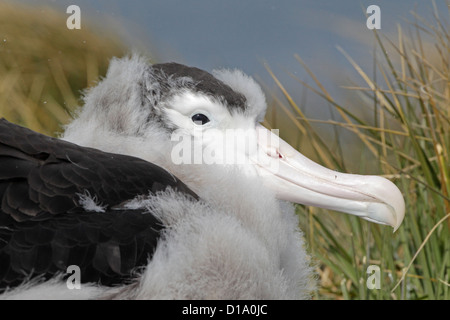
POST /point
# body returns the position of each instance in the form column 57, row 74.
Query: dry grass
column 44, row 66
column 408, row 139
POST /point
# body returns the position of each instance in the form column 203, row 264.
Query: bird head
column 184, row 117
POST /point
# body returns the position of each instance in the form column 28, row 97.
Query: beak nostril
column 274, row 153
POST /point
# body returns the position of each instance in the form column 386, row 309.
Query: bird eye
column 200, row 118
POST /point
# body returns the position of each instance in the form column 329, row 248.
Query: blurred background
column 353, row 99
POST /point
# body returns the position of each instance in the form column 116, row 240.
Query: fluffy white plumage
column 227, row 246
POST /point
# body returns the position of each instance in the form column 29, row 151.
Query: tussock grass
column 44, row 66
column 408, row 139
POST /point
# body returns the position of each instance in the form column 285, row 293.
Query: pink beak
column 297, row 179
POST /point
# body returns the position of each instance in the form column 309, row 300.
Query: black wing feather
column 43, row 228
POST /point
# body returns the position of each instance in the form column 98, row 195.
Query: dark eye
column 200, row 118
